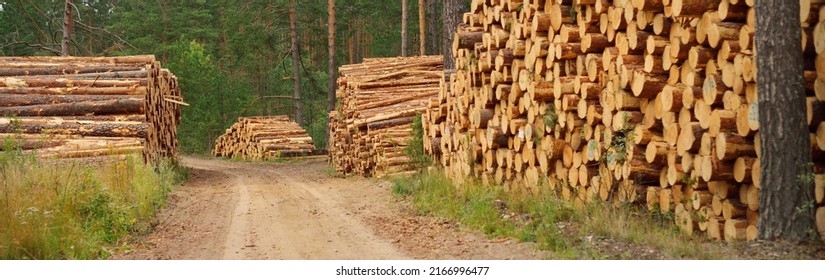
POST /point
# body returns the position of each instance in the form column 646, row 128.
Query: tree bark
column 452, row 12
column 433, row 46
column 76, row 91
column 786, row 198
column 81, row 128
column 422, row 27
column 67, row 28
column 331, row 83
column 332, row 66
column 66, row 70
column 61, row 82
column 124, row 106
column 403, row 27
column 138, row 74
column 296, row 63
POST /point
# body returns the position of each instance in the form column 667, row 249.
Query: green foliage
column 809, row 206
column 215, row 99
column 621, row 141
column 807, row 177
column 67, row 210
column 550, row 117
column 415, row 147
column 690, row 180
column 573, row 12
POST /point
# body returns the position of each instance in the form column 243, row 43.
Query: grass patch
column 636, row 225
column 67, row 210
column 330, row 171
column 553, row 224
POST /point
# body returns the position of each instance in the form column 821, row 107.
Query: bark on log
column 104, row 107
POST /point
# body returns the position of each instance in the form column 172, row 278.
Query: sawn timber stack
column 264, row 138
column 68, row 107
column 379, row 99
column 628, row 101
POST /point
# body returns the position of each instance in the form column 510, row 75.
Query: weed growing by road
column 67, row 210
column 570, row 232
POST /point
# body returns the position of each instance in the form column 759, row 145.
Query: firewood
column 120, row 96
column 381, row 97
column 655, row 103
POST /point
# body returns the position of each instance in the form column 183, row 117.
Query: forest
column 637, row 103
column 233, row 58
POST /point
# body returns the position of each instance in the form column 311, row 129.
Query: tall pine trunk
column 786, row 196
column 332, row 65
column 422, row 28
column 358, row 51
column 67, row 28
column 296, row 64
column 433, row 27
column 403, row 27
column 451, row 13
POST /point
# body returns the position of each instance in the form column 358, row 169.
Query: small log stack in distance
column 264, row 138
column 70, row 107
column 379, row 99
column 629, row 101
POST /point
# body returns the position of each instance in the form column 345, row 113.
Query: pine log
column 104, row 107
column 67, row 127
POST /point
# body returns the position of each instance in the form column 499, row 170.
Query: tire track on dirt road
column 297, row 210
column 276, row 214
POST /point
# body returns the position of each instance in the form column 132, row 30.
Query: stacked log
column 812, row 15
column 379, row 99
column 634, row 101
column 264, row 138
column 89, row 106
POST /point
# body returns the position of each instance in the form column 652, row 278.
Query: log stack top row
column 379, row 99
column 264, row 138
column 89, row 106
column 629, row 101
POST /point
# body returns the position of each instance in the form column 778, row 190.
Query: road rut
column 299, row 210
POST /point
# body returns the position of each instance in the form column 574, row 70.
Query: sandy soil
column 300, row 210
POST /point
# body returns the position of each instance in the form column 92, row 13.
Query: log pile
column 89, row 106
column 264, row 138
column 629, row 101
column 379, row 99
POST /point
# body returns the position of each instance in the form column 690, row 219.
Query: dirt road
column 301, row 210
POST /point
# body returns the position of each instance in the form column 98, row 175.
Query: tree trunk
column 403, row 27
column 422, row 28
column 296, row 63
column 356, row 42
column 452, row 12
column 332, row 66
column 432, row 27
column 67, row 28
column 786, row 198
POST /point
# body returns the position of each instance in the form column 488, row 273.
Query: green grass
column 67, row 210
column 545, row 219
